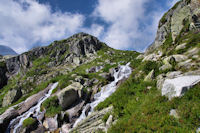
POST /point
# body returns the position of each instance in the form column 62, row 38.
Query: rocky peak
column 78, row 45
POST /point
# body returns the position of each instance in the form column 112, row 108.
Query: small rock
column 109, row 121
column 198, row 130
column 51, row 123
column 174, row 113
column 160, row 80
column 149, row 77
column 173, row 74
column 165, row 67
column 181, row 46
column 65, row 128
column 193, row 52
column 88, row 107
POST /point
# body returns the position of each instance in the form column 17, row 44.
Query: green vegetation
column 51, row 105
column 142, row 110
column 39, row 67
column 28, row 122
column 105, row 117
column 168, row 44
column 2, row 64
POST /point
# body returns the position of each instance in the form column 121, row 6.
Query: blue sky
column 122, row 24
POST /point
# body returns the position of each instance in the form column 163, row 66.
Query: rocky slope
column 80, row 64
column 161, row 95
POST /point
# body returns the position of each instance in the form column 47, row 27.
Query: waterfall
column 35, row 110
column 121, row 73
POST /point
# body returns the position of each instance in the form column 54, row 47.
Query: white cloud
column 130, row 24
column 26, row 22
column 127, row 24
column 123, row 17
column 95, row 30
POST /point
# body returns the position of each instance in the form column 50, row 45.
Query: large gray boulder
column 70, row 95
column 172, row 22
column 11, row 97
column 178, row 86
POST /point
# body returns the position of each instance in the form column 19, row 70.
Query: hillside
column 80, row 84
column 4, row 50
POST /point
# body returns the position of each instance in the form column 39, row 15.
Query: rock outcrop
column 173, row 22
column 94, row 123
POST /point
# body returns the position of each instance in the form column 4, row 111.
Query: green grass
column 141, row 110
column 52, row 107
column 28, row 122
column 2, row 64
column 105, row 117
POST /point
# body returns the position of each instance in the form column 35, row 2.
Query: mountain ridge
column 155, row 98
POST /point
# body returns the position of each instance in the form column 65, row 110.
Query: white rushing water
column 35, row 111
column 121, row 73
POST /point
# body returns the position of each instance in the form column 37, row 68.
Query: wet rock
column 11, row 97
column 65, row 128
column 88, row 108
column 107, row 76
column 70, row 94
column 51, row 124
column 6, row 117
column 74, row 112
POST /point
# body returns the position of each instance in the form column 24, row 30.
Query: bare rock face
column 3, row 70
column 84, row 46
column 172, row 22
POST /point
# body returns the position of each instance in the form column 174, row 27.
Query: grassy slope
column 139, row 109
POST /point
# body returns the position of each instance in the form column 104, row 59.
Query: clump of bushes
column 29, row 121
